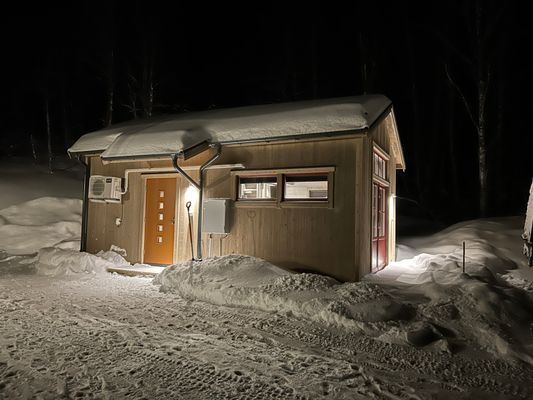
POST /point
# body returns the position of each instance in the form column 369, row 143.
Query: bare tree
column 367, row 64
column 33, row 144
column 132, row 106
column 479, row 64
column 48, row 131
column 146, row 93
column 108, row 75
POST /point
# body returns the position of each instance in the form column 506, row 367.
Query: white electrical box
column 106, row 189
column 216, row 216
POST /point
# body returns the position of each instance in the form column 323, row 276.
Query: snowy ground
column 238, row 327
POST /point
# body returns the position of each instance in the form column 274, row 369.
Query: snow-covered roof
column 170, row 134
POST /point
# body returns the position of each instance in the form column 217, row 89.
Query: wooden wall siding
column 392, row 220
column 312, row 239
column 183, row 247
column 333, row 241
column 102, row 231
column 381, row 134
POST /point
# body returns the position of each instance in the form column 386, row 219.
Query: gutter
column 200, row 186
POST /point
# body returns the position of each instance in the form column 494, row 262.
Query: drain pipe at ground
column 200, row 186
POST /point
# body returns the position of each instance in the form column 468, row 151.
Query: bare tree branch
column 463, row 57
column 461, row 95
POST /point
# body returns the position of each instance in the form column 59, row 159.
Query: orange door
column 379, row 227
column 159, row 217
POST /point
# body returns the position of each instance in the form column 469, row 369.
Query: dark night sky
column 218, row 56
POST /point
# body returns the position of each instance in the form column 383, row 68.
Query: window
column 305, row 187
column 257, row 187
column 380, row 166
column 290, row 187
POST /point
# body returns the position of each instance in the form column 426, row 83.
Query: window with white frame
column 305, row 186
column 380, row 165
column 257, row 187
column 289, row 187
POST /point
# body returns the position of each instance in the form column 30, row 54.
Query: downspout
column 200, row 186
column 182, row 172
column 85, row 205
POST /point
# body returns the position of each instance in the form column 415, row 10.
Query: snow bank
column 486, row 305
column 55, row 261
column 22, row 180
column 237, row 280
column 44, row 222
column 497, row 238
column 521, row 278
column 423, row 301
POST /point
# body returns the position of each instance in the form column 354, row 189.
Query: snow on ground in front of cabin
column 444, row 308
column 239, row 327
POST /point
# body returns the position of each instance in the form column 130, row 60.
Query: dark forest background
column 458, row 73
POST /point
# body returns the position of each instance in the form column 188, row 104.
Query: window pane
column 257, row 187
column 306, row 187
column 380, row 166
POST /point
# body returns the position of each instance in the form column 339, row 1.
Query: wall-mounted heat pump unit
column 106, row 189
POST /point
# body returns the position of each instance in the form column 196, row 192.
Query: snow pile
column 425, row 301
column 43, row 222
column 496, row 238
column 207, row 277
column 114, row 256
column 520, row 278
column 54, row 262
column 244, row 281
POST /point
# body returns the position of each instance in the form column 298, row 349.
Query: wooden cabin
column 309, row 185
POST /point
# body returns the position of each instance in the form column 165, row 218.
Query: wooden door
column 379, row 227
column 159, row 218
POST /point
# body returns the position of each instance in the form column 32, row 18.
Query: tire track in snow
column 85, row 338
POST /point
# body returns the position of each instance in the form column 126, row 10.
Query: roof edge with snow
column 173, row 134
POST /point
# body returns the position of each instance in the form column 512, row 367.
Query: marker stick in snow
column 464, row 249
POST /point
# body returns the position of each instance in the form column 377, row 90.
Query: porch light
column 392, row 208
column 191, row 195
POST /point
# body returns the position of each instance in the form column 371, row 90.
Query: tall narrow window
column 305, row 187
column 380, row 166
column 257, row 187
